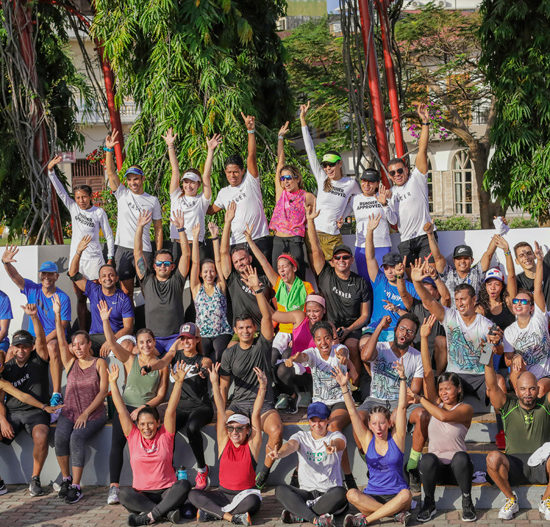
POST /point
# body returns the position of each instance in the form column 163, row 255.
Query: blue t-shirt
column 119, row 303
column 383, row 290
column 44, row 304
column 5, row 312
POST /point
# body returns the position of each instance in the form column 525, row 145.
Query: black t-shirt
column 239, row 363
column 421, row 313
column 529, row 283
column 163, row 303
column 31, row 378
column 243, row 300
column 194, row 391
column 344, row 297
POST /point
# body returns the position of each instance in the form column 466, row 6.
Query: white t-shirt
column 194, row 211
column 316, row 469
column 412, row 205
column 532, row 343
column 85, row 223
column 385, row 379
column 250, row 208
column 363, row 208
column 325, row 387
column 464, row 343
column 333, row 204
column 129, row 207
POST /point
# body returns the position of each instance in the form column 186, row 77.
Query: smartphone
column 486, row 353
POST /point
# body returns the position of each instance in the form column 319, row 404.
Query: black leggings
column 285, row 378
column 213, row 347
column 158, row 502
column 118, row 442
column 212, row 501
column 293, row 245
column 191, row 423
column 294, row 500
column 433, row 471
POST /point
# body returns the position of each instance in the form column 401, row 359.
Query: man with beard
column 527, row 427
column 384, row 388
column 121, row 317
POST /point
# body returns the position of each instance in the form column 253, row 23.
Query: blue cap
column 429, row 280
column 318, row 409
column 48, row 267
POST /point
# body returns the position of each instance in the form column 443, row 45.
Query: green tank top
column 140, row 389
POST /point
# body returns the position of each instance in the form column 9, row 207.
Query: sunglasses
column 344, row 257
column 287, row 178
column 326, row 164
column 165, row 263
column 237, row 429
column 398, row 171
column 522, row 301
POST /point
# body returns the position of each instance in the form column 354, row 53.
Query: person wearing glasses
column 528, row 336
column 132, row 200
column 162, row 286
column 86, row 220
column 288, row 221
column 410, row 195
column 334, row 190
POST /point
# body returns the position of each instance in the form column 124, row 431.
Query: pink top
column 289, row 214
column 151, row 460
column 302, row 338
column 446, row 439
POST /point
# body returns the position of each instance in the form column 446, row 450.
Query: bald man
column 527, row 427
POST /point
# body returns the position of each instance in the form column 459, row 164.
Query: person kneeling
column 321, row 493
column 238, row 450
column 155, row 492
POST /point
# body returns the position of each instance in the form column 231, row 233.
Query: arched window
column 463, row 175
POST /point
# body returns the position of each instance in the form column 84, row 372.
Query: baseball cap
column 238, row 418
column 188, row 330
column 48, row 267
column 341, row 248
column 191, row 176
column 428, row 280
column 22, row 338
column 318, row 409
column 463, row 250
column 494, row 272
column 392, row 259
column 371, row 174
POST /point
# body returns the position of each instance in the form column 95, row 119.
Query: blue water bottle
column 181, row 473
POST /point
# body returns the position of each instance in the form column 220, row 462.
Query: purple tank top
column 301, row 337
column 82, row 388
column 385, row 472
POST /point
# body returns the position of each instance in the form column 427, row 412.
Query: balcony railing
column 128, row 113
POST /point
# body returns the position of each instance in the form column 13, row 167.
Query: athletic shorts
column 474, row 384
column 125, row 265
column 337, row 406
column 418, row 247
column 381, row 498
column 244, row 406
column 26, row 419
column 521, row 473
column 89, row 269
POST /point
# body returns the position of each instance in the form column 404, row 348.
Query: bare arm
column 272, row 276
column 75, row 263
column 123, row 414
column 280, row 160
column 178, row 221
column 8, row 259
column 127, row 327
column 538, row 293
column 25, row 398
column 440, row 262
column 214, row 232
column 295, row 317
column 67, row 358
column 194, row 275
column 401, row 283
column 485, row 261
column 219, row 401
column 225, row 252
column 110, row 142
column 369, row 353
column 170, row 415
column 372, row 264
column 225, row 382
column 170, row 139
column 159, row 236
column 429, row 378
column 401, row 412
column 212, row 144
column 316, row 252
column 256, row 417
column 121, row 353
column 461, row 414
column 251, row 160
column 496, row 395
column 422, row 155
column 141, row 265
column 41, row 345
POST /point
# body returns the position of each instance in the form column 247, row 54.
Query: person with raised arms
column 525, row 258
column 239, row 440
column 387, row 493
column 187, row 197
column 155, row 493
column 334, row 190
column 133, row 202
column 320, row 494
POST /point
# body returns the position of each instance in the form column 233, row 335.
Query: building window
column 430, row 187
column 463, row 175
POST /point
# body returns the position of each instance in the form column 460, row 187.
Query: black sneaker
column 294, row 482
column 414, row 481
column 74, row 494
column 35, row 489
column 64, row 488
column 468, row 510
column 139, row 519
column 241, row 519
column 288, row 517
column 3, row 488
column 350, row 481
column 427, row 512
column 293, row 403
column 173, row 516
column 403, row 517
column 261, row 478
column 203, row 516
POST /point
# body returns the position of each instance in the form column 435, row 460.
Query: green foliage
column 516, row 57
column 456, row 223
column 523, row 223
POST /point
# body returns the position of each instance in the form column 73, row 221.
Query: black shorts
column 245, row 406
column 125, row 264
column 97, row 339
column 26, row 419
column 336, row 406
column 382, row 498
column 474, row 384
column 355, row 334
column 414, row 248
column 521, row 473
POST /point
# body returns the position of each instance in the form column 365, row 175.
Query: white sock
column 203, row 469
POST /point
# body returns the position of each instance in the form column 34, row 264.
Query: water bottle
column 181, row 473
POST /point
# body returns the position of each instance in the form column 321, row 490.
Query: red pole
column 374, row 87
column 390, row 78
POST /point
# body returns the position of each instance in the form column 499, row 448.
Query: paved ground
column 18, row 509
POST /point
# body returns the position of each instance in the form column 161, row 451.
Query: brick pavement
column 19, row 509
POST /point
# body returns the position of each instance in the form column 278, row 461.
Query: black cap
column 371, row 174
column 392, row 259
column 463, row 250
column 341, row 248
column 22, row 338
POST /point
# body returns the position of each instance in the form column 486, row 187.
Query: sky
column 332, row 4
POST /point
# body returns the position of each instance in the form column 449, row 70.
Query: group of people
column 399, row 342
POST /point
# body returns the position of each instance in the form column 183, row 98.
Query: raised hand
column 273, row 453
column 304, row 108
column 56, row 304
column 250, row 278
column 428, row 228
column 196, row 230
column 214, row 142
column 9, row 254
column 399, row 368
column 419, row 271
column 112, row 140
column 230, row 212
column 385, row 322
column 214, row 229
column 261, row 376
column 179, row 371
column 422, row 110
column 170, row 137
column 538, row 252
column 373, row 222
column 104, row 310
column 144, row 218
column 56, row 160
column 517, row 362
column 83, row 243
column 330, row 449
column 248, row 232
column 340, row 222
column 392, row 308
column 383, row 195
column 213, row 373
column 427, row 325
column 249, row 121
column 342, row 355
column 501, row 243
column 284, row 129
column 340, row 377
column 311, row 213
column 113, row 373
column 432, row 271
column 400, row 267
column 178, row 219
column 30, row 310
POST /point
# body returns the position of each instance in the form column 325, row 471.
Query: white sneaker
column 112, row 497
column 544, row 508
column 510, row 508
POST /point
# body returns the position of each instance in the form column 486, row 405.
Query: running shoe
column 35, row 489
column 203, row 516
column 201, row 480
column 427, row 512
column 64, row 487
column 355, row 520
column 3, row 488
column 74, row 494
column 288, row 517
column 139, row 519
column 510, row 508
column 112, row 497
column 403, row 517
column 469, row 511
column 325, row 520
column 293, row 404
column 282, row 402
column 241, row 519
column 173, row 516
column 544, row 508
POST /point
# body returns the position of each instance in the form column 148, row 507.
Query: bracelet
column 425, row 124
column 399, row 276
column 182, row 229
column 258, row 291
column 215, row 238
column 171, row 147
column 43, row 406
column 507, row 253
column 281, row 137
column 251, row 131
column 403, row 379
column 344, row 392
column 79, row 253
column 107, row 149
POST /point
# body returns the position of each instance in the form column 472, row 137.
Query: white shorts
column 89, row 269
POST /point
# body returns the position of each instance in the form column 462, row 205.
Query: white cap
column 127, row 337
column 191, row 175
column 238, row 418
column 495, row 272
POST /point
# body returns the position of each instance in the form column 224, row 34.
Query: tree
column 516, row 59
column 440, row 63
